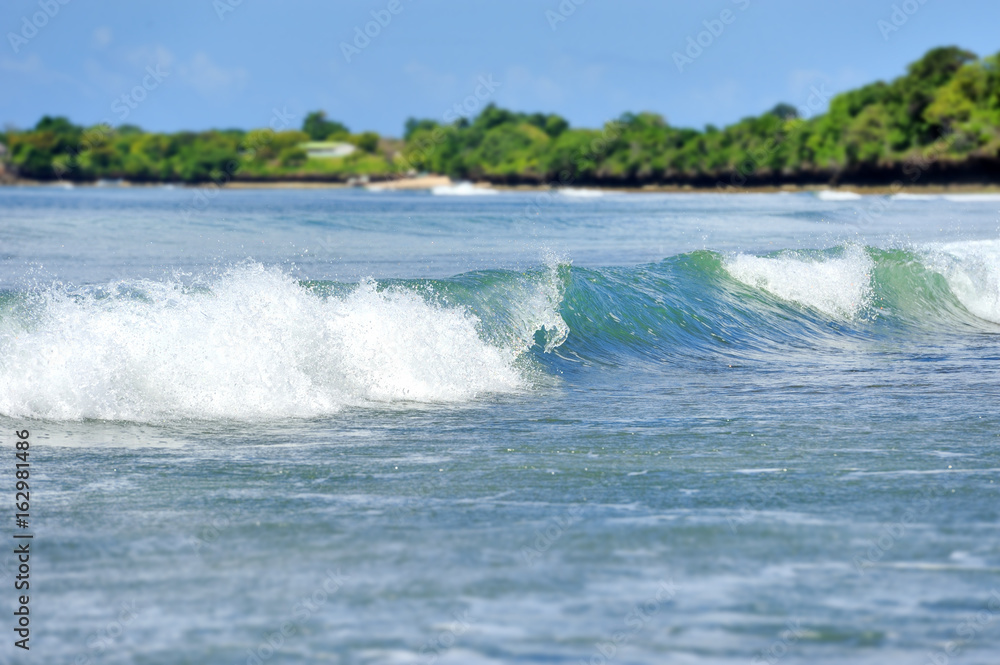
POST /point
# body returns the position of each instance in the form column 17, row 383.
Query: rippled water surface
column 332, row 426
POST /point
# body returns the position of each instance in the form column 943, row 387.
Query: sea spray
column 253, row 343
column 972, row 269
column 838, row 285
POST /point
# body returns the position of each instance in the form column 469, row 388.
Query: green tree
column 366, row 141
column 319, row 128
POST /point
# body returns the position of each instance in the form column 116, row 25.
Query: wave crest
column 253, row 343
column 972, row 270
column 838, row 286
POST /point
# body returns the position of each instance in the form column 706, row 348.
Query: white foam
column 252, row 344
column 972, row 270
column 837, row 195
column 462, row 189
column 953, row 198
column 972, row 198
column 838, row 286
column 580, row 193
column 904, row 196
column 535, row 306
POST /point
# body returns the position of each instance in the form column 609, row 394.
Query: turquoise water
column 522, row 428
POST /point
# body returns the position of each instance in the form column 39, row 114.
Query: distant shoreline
column 428, row 182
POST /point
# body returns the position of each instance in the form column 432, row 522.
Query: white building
column 327, row 149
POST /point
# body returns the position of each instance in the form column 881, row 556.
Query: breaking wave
column 253, row 342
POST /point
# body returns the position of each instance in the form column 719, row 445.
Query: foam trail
column 906, row 196
column 838, row 286
column 252, row 344
column 580, row 193
column 836, row 195
column 972, row 198
column 952, row 198
column 462, row 189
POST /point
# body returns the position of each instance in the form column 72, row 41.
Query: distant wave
column 836, row 195
column 972, row 198
column 462, row 189
column 580, row 193
column 906, row 196
column 954, row 198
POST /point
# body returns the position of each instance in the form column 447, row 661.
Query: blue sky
column 231, row 63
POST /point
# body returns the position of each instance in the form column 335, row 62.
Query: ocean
column 349, row 426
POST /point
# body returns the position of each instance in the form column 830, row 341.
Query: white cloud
column 108, row 81
column 210, row 79
column 32, row 67
column 564, row 80
column 150, row 56
column 435, row 84
column 724, row 96
column 101, row 37
column 125, row 70
column 525, row 89
column 805, row 84
column 801, row 80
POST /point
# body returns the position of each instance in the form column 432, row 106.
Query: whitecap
column 580, row 193
column 972, row 270
column 837, row 286
column 837, row 195
column 462, row 189
column 251, row 344
column 906, row 196
column 972, row 198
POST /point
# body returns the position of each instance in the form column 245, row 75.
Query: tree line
column 939, row 120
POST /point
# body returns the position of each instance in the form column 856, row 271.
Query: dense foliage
column 944, row 110
column 55, row 148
